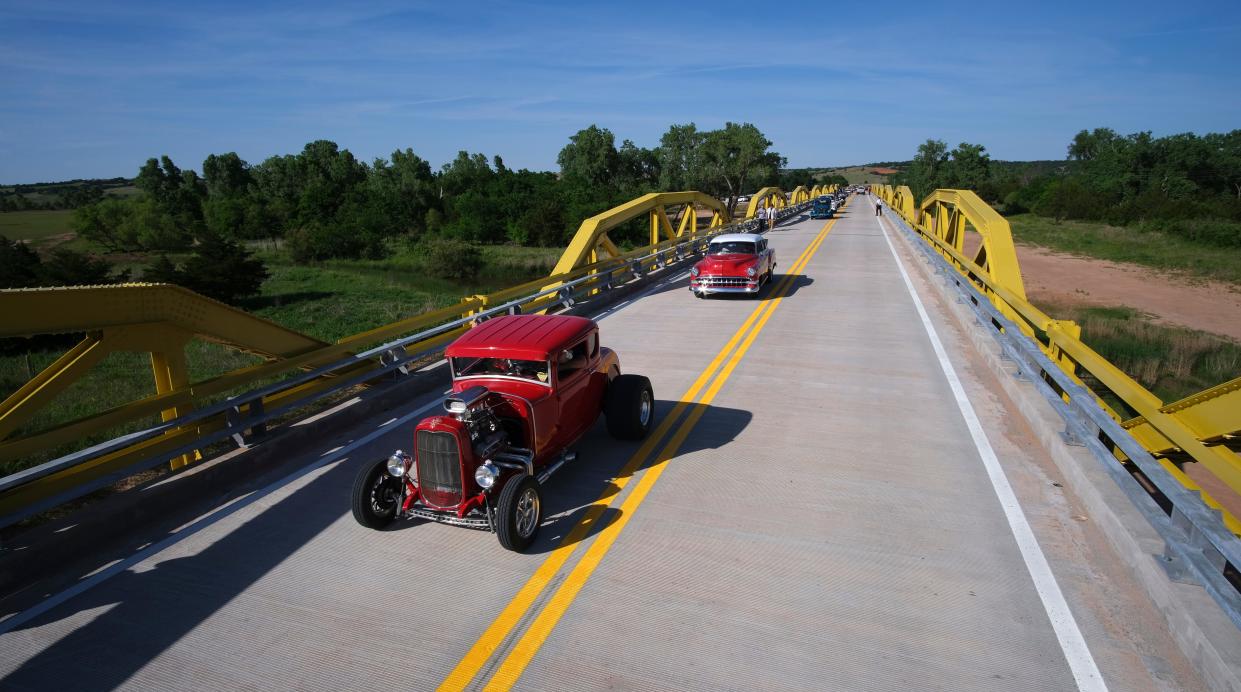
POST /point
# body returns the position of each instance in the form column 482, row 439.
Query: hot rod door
column 580, row 389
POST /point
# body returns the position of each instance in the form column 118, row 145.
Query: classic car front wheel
column 629, row 406
column 376, row 494
column 519, row 513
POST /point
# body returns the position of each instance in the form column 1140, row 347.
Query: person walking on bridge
column 771, row 218
column 878, row 208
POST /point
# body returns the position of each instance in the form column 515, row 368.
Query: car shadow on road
column 768, row 292
column 569, row 496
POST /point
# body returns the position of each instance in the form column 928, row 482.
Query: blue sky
column 91, row 89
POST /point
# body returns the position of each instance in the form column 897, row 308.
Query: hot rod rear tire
column 629, row 406
column 376, row 494
column 519, row 512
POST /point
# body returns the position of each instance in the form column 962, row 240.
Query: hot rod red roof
column 521, row 337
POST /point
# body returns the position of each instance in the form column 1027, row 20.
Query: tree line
column 1184, row 184
column 323, row 202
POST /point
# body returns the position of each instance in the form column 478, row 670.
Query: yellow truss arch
column 766, row 197
column 591, row 243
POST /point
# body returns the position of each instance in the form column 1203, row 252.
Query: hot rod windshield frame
column 468, row 367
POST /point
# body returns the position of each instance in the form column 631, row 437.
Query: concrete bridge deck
column 818, row 514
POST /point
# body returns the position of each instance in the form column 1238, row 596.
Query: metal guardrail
column 243, row 417
column 1197, row 541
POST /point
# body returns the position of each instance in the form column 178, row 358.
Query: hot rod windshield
column 534, row 370
column 731, row 247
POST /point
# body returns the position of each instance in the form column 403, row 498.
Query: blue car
column 821, row 208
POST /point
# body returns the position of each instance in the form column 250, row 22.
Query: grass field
column 35, row 226
column 1147, row 248
column 1172, row 362
column 859, row 174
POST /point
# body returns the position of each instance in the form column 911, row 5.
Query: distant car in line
column 823, row 207
column 734, row 263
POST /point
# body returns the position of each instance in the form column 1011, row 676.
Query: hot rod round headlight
column 396, row 464
column 486, row 475
column 693, row 271
column 751, row 272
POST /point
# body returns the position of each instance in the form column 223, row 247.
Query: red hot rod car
column 524, row 388
column 735, row 263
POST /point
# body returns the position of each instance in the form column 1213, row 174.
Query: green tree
column 223, row 269
column 590, row 158
column 735, row 156
column 926, row 171
column 20, row 267
column 68, row 268
column 969, row 168
column 680, row 158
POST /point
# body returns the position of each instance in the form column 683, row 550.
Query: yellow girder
column 592, row 235
column 766, row 197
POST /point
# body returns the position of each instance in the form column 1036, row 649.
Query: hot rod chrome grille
column 722, row 281
column 439, row 468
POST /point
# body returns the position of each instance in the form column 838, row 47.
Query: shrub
column 219, row 268
column 20, row 267
column 448, row 258
column 68, row 268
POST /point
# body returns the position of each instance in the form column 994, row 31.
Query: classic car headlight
column 751, row 272
column 486, row 475
column 396, row 463
column 693, row 271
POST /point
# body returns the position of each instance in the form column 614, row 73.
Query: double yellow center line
column 523, row 651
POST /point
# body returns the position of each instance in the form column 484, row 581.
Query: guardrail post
column 237, row 422
column 172, row 374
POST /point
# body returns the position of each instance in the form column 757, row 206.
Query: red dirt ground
column 1059, row 279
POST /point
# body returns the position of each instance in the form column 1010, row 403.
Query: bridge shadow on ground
column 149, row 611
column 139, row 615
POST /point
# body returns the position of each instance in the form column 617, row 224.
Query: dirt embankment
column 1059, row 279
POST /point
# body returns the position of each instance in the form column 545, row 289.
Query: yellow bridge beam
column 158, row 319
column 766, row 197
column 591, row 243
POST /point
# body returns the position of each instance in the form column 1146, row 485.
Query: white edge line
column 1072, row 643
column 8, row 624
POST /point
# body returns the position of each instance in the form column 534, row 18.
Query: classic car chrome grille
column 439, row 469
column 722, row 281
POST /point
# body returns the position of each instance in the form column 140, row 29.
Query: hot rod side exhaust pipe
column 566, row 457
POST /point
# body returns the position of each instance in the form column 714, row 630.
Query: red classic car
column 735, row 263
column 524, row 388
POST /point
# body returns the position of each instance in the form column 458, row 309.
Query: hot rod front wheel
column 629, row 406
column 519, row 513
column 376, row 494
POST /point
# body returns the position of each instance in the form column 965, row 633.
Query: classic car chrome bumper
column 725, row 284
column 473, row 520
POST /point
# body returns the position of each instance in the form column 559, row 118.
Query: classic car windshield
column 731, row 247
column 535, row 370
